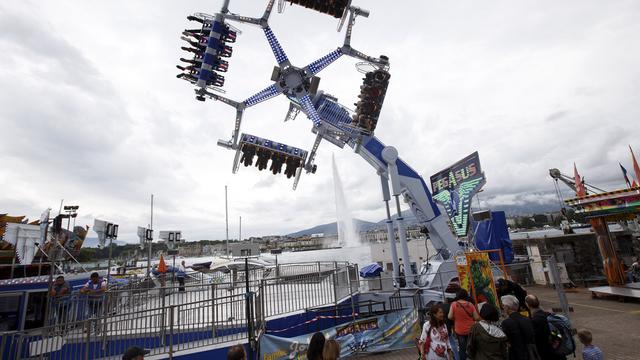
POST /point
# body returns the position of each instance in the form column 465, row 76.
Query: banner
column 476, row 276
column 455, row 186
column 396, row 330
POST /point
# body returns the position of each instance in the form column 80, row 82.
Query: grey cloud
column 555, row 116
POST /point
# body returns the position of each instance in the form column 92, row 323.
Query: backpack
column 561, row 338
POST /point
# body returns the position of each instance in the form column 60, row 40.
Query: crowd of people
column 461, row 330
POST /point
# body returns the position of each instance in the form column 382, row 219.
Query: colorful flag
column 580, row 190
column 624, row 173
column 636, row 168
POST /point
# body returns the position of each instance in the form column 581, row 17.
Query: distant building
column 244, row 248
column 381, row 253
column 190, row 249
column 380, row 234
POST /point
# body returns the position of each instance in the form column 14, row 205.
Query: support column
column 390, row 155
column 408, row 271
column 391, row 236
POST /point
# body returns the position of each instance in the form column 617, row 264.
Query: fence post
column 171, row 318
column 248, row 309
column 557, row 282
column 88, row 331
column 444, row 298
column 263, row 297
column 353, row 306
column 214, row 310
column 163, row 330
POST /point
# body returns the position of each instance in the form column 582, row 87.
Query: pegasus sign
column 455, row 186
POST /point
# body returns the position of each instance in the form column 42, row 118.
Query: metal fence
column 165, row 330
column 167, row 319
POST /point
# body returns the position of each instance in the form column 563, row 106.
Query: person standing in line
column 60, row 290
column 541, row 329
column 316, row 346
column 519, row 331
column 463, row 314
column 181, row 274
column 508, row 287
column 486, row 340
column 94, row 289
column 589, row 351
column 135, row 353
column 446, row 306
column 331, row 350
column 236, row 352
column 434, row 340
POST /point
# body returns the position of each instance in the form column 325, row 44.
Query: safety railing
column 167, row 330
column 173, row 318
column 285, row 289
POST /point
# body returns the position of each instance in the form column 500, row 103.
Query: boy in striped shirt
column 589, row 351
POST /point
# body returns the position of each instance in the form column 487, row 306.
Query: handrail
column 168, row 320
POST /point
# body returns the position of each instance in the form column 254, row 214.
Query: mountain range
column 361, row 225
column 410, row 219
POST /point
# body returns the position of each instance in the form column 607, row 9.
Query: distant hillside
column 410, row 219
column 332, row 228
column 407, row 215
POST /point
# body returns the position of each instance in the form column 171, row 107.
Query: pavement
column 615, row 325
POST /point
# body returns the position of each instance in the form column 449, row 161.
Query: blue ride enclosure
column 493, row 234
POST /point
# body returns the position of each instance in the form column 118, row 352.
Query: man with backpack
column 519, row 331
column 541, row 329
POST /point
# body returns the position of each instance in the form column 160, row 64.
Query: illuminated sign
column 455, row 186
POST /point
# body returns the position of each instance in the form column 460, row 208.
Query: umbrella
column 162, row 267
column 371, row 270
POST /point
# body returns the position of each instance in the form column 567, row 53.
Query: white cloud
column 91, row 111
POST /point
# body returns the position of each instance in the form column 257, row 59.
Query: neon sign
column 455, row 186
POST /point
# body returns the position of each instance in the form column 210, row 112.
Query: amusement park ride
column 209, row 46
column 601, row 207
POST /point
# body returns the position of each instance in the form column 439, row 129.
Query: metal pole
column 226, row 217
column 248, row 312
column 109, row 262
column 391, row 235
column 557, row 282
column 54, row 249
column 240, row 230
column 149, row 242
column 13, row 260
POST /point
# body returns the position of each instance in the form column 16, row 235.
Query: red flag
column 580, row 190
column 636, row 168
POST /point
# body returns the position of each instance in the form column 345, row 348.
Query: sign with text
column 395, row 330
column 455, row 186
column 476, row 276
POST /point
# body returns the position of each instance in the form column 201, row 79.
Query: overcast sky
column 91, row 111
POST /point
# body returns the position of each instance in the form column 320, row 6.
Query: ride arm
column 416, row 193
column 557, row 175
column 262, row 21
column 570, row 181
column 350, row 51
